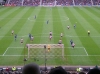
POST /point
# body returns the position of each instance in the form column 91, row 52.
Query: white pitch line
column 74, row 47
column 5, row 51
column 85, row 51
column 48, row 36
column 50, row 55
column 10, row 47
column 80, row 36
column 13, row 55
column 75, row 55
column 64, row 19
column 16, row 47
column 64, row 47
column 13, row 18
column 43, row 21
column 81, row 55
column 84, row 36
column 32, row 18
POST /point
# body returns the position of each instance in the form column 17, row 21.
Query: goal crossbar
column 29, row 46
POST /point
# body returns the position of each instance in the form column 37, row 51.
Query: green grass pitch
column 21, row 20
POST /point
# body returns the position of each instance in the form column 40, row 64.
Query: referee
column 88, row 33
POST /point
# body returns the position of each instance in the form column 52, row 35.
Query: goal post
column 41, row 48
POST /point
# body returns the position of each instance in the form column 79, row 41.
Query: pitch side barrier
column 69, row 5
column 54, row 6
column 67, row 68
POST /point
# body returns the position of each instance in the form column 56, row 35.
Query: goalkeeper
column 49, row 47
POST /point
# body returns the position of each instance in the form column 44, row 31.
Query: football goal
column 41, row 50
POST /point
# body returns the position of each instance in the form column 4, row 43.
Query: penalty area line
column 13, row 55
column 74, row 47
column 5, row 51
column 16, row 47
column 85, row 51
column 8, row 48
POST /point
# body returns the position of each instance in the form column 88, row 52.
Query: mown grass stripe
column 37, row 27
column 10, row 14
column 22, row 25
column 86, row 27
column 57, row 30
column 5, row 13
column 95, row 27
column 95, row 11
column 93, row 21
column 57, row 24
column 9, row 33
column 70, row 32
column 65, row 21
column 77, row 41
column 4, row 10
column 10, row 23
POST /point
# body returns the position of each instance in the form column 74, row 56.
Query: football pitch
column 22, row 20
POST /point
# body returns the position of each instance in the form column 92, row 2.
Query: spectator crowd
column 31, row 2
column 35, row 69
column 51, row 2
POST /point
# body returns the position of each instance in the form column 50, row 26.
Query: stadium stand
column 50, row 69
column 31, row 2
column 2, row 2
column 96, row 2
column 64, row 2
column 83, row 2
column 48, row 2
column 27, row 3
column 51, row 2
column 15, row 2
column 57, row 2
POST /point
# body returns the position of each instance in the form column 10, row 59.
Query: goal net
column 41, row 50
